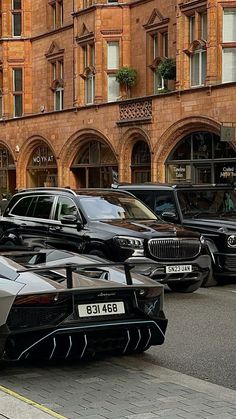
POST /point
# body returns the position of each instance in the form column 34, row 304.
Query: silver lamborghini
column 60, row 305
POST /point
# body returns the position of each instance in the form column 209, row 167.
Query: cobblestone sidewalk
column 126, row 387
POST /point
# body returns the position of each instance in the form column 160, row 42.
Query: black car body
column 208, row 209
column 110, row 224
column 58, row 305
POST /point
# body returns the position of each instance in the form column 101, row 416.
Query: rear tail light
column 41, row 299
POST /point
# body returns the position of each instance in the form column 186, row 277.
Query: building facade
column 66, row 121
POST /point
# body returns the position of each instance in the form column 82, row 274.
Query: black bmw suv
column 110, row 224
column 208, row 209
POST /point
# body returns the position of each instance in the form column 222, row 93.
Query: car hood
column 214, row 223
column 148, row 228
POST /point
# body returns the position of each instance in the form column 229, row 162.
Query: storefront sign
column 179, row 172
column 43, row 159
column 227, row 134
column 228, row 172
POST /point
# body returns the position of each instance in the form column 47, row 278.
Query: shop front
column 95, row 166
column 42, row 168
column 7, row 171
column 202, row 158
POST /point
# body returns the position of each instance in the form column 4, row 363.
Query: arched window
column 141, row 162
column 95, row 166
column 201, row 158
column 42, row 167
column 7, row 171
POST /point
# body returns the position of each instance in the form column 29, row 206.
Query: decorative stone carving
column 136, row 110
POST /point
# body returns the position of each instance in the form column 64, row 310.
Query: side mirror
column 72, row 220
column 169, row 216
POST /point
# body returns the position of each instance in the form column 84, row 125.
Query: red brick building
column 64, row 118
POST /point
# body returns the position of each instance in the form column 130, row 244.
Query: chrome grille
column 174, row 248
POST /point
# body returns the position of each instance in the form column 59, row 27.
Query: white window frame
column 113, row 63
column 226, row 12
column 112, row 98
column 90, row 77
column 224, row 50
column 201, row 81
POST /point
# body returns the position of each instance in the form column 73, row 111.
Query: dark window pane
column 17, row 80
column 182, row 151
column 22, row 206
column 43, row 207
column 141, row 153
column 16, row 4
column 164, row 201
column 18, row 105
column 16, row 24
column 223, row 149
column 225, row 172
column 202, row 145
column 144, row 196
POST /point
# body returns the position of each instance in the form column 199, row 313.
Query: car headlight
column 202, row 240
column 231, row 240
column 131, row 243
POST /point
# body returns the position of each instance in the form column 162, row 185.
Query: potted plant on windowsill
column 167, row 69
column 126, row 77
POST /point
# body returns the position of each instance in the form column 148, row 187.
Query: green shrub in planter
column 127, row 77
column 167, row 69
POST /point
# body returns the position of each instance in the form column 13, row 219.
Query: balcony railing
column 136, row 110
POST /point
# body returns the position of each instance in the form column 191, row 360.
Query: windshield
column 110, row 207
column 207, row 202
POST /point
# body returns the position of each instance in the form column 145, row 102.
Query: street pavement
column 117, row 387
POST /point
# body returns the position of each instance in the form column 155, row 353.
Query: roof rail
column 48, row 188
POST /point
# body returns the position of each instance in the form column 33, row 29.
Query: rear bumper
column 70, row 341
column 157, row 271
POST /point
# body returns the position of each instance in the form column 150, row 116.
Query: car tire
column 209, row 281
column 187, row 288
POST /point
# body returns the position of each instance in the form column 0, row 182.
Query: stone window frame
column 86, row 42
column 158, row 28
column 196, row 45
column 15, row 12
column 17, row 93
column 226, row 45
column 56, row 13
column 55, row 58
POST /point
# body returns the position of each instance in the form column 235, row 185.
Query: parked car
column 208, row 209
column 110, row 224
column 55, row 304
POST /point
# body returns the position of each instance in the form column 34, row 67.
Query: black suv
column 209, row 209
column 110, row 224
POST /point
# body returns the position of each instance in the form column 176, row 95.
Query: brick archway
column 24, row 155
column 130, row 137
column 73, row 146
column 173, row 135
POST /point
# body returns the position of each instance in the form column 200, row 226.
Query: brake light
column 39, row 300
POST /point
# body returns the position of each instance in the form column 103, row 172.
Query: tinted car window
column 65, row 206
column 43, row 207
column 214, row 202
column 22, row 207
column 144, row 196
column 164, row 202
column 109, row 207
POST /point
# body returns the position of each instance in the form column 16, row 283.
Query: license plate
column 178, row 268
column 101, row 309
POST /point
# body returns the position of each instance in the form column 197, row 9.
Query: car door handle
column 23, row 224
column 55, row 228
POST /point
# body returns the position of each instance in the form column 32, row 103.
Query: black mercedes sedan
column 110, row 224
